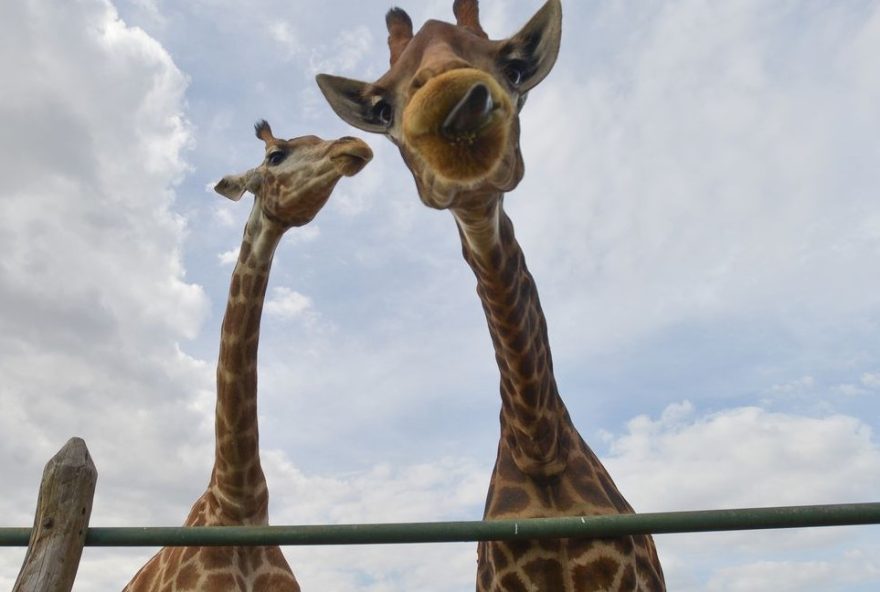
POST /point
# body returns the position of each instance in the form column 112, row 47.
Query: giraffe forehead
column 438, row 41
column 302, row 156
column 298, row 150
column 294, row 143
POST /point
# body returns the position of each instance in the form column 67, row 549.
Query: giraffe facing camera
column 451, row 101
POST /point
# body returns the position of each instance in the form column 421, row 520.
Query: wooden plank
column 64, row 506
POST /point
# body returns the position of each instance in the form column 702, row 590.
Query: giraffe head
column 296, row 177
column 451, row 99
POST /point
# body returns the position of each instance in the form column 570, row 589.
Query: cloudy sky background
column 700, row 211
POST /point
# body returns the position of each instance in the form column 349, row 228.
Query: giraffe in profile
column 450, row 101
column 290, row 186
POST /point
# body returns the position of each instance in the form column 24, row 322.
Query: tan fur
column 466, row 157
column 399, row 32
column 543, row 466
column 287, row 194
column 467, row 14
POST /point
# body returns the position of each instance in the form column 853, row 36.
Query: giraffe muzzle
column 350, row 155
column 458, row 122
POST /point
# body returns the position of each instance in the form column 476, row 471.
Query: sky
column 700, row 212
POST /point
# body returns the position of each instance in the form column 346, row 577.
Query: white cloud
column 800, row 385
column 92, row 289
column 224, row 217
column 283, row 34
column 345, row 53
column 871, row 380
column 698, row 169
column 440, row 489
column 351, row 203
column 229, row 257
column 849, row 390
column 303, row 234
column 288, row 304
column 150, row 12
column 845, row 573
column 744, row 457
column 749, row 457
column 449, row 488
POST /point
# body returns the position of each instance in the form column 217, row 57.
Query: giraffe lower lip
column 350, row 164
column 470, row 136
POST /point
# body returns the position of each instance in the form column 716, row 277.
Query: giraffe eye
column 383, row 113
column 514, row 72
column 276, row 157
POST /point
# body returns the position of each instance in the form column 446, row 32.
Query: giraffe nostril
column 472, row 112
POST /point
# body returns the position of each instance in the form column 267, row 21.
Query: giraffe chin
column 465, row 156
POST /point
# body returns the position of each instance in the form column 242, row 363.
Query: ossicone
column 400, row 31
column 467, row 14
column 263, row 131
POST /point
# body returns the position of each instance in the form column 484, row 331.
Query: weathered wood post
column 63, row 509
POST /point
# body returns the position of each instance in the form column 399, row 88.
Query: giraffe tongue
column 470, row 114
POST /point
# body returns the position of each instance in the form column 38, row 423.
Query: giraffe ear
column 348, row 100
column 234, row 186
column 533, row 50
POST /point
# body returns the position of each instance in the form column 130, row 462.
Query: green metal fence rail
column 440, row 532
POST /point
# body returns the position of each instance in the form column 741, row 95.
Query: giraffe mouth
column 470, row 115
column 459, row 123
column 350, row 155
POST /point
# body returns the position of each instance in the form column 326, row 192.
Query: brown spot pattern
column 546, row 573
column 509, row 500
column 187, row 578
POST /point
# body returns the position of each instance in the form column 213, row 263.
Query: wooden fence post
column 63, row 509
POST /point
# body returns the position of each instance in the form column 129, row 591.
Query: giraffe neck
column 237, row 481
column 537, row 436
column 533, row 416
